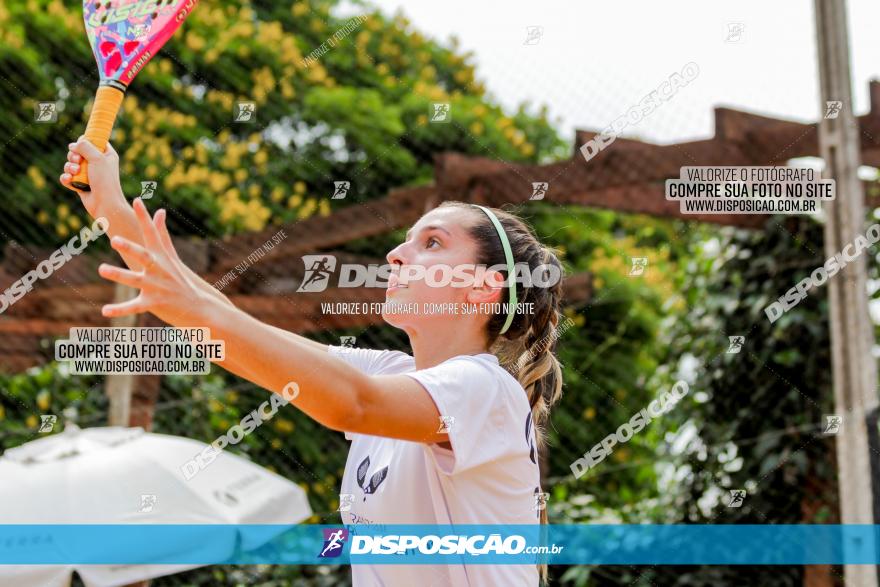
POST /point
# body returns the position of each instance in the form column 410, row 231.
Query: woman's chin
column 393, row 319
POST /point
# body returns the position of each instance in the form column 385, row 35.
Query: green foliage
column 609, row 357
column 359, row 112
column 756, row 416
column 49, row 390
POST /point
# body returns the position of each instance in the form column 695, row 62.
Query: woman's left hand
column 165, row 289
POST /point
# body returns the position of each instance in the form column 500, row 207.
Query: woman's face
column 424, row 267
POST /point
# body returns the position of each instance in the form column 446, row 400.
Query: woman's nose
column 395, row 256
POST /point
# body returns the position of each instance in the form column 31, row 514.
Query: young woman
column 445, row 436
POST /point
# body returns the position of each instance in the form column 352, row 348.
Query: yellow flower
column 476, row 128
column 284, row 426
column 276, row 443
column 214, row 405
column 2, row 413
column 299, row 187
column 589, row 413
column 240, row 175
column 43, row 217
column 287, row 91
column 63, row 211
column 74, row 222
column 195, row 42
column 232, row 396
column 294, row 201
column 253, row 223
column 218, row 181
column 43, row 400
column 62, row 230
column 463, row 76
column 31, row 421
column 36, row 177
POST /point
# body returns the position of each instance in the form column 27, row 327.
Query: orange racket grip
column 107, row 102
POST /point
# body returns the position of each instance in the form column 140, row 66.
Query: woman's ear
column 487, row 289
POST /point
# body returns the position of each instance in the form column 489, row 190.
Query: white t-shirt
column 490, row 477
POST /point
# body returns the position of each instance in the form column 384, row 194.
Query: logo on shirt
column 334, row 541
column 375, row 481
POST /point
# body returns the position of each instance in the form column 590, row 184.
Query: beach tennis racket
column 125, row 35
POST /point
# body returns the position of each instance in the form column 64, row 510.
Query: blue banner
column 422, row 544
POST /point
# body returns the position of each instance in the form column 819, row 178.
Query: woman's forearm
column 272, row 358
column 207, row 287
column 319, row 346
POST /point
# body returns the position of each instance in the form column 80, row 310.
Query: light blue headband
column 508, row 255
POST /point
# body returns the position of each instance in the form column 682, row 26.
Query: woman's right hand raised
column 106, row 191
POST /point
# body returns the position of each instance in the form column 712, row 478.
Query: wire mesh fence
column 339, row 130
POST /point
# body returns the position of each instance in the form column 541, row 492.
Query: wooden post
column 119, row 387
column 852, row 337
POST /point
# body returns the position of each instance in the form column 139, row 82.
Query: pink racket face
column 126, row 34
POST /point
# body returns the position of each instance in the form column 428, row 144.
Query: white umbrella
column 128, row 476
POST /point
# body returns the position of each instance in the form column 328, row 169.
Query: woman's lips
column 394, row 283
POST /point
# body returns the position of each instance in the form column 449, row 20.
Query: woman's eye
column 432, row 240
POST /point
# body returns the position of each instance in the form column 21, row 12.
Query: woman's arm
column 332, row 392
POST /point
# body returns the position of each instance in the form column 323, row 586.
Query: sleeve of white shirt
column 479, row 410
column 372, row 362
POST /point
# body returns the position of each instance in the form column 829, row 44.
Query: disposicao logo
column 334, row 542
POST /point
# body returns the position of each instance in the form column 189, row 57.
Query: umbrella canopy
column 120, row 475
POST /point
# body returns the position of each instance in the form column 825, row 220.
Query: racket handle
column 107, row 102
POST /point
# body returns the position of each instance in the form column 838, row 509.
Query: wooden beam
column 400, row 208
